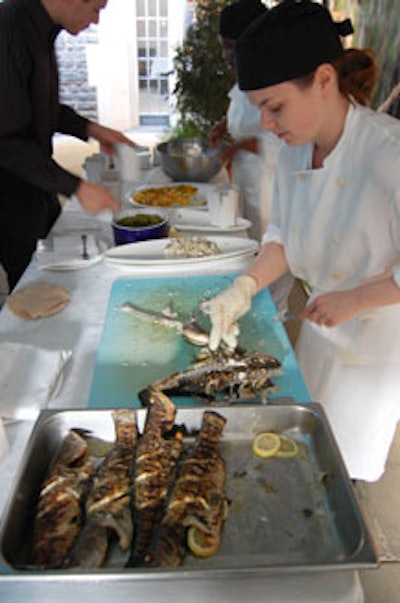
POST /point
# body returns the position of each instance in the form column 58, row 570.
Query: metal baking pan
column 285, row 515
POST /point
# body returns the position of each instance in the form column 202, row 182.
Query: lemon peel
column 288, row 448
column 200, row 544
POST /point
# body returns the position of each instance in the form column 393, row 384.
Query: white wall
column 112, row 64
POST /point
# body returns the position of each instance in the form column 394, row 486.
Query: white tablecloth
column 78, row 328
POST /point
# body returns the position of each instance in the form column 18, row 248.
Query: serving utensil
column 85, row 254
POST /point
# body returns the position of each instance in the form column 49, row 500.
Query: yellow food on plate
column 268, row 444
column 167, row 196
column 202, row 545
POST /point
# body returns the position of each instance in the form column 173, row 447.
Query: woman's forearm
column 269, row 265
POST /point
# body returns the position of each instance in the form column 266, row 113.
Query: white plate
column 154, row 252
column 64, row 252
column 201, row 223
column 199, row 200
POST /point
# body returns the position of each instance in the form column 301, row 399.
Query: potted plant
column 203, row 79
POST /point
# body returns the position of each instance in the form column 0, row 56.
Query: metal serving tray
column 285, row 515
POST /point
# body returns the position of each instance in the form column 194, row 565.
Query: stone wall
column 74, row 88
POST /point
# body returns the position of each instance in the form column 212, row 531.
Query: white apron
column 354, row 371
column 340, row 226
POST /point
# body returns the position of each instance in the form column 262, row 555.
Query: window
column 154, row 62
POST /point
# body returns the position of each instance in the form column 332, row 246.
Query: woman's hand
column 226, row 308
column 331, row 309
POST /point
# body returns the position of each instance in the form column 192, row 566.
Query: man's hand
column 95, row 198
column 107, row 137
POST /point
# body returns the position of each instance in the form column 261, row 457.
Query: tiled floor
column 380, row 501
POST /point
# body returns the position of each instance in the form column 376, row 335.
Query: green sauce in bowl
column 139, row 220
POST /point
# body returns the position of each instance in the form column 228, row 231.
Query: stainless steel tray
column 285, row 515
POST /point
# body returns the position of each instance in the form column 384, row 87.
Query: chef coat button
column 302, row 177
column 336, row 276
column 334, row 240
column 294, row 229
column 341, row 182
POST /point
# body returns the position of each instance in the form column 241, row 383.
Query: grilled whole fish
column 198, row 500
column 108, row 505
column 235, row 374
column 59, row 514
column 157, row 453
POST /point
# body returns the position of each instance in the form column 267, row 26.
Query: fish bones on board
column 236, row 374
column 108, row 505
column 198, row 500
column 59, row 513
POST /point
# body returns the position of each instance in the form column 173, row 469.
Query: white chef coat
column 340, row 226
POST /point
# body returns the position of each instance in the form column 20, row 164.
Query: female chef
column 335, row 222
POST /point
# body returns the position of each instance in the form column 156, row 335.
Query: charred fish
column 236, row 375
column 108, row 504
column 197, row 506
column 59, row 516
column 158, row 451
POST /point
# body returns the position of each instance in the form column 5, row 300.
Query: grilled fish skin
column 108, row 505
column 154, row 471
column 59, row 513
column 198, row 497
column 235, row 374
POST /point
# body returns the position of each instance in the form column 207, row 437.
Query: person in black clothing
column 30, row 113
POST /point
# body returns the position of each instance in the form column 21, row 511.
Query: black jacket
column 30, row 114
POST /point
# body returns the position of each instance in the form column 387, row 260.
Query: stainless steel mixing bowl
column 189, row 159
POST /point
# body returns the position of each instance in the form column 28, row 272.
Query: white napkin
column 29, row 378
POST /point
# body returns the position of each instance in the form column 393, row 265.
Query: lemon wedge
column 202, row 545
column 266, row 444
column 288, row 448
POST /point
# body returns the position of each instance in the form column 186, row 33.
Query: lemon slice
column 288, row 448
column 202, row 545
column 266, row 444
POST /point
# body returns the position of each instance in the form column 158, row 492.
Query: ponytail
column 357, row 74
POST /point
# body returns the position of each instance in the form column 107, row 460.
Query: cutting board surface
column 134, row 352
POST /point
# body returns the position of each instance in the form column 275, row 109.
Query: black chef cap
column 287, row 42
column 234, row 18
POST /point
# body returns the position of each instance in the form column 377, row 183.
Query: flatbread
column 38, row 300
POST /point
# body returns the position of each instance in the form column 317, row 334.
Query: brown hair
column 357, row 75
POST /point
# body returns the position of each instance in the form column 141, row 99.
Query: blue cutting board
column 134, row 352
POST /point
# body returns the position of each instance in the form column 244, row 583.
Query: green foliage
column 203, row 79
column 379, row 29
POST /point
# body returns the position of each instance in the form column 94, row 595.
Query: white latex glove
column 225, row 309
